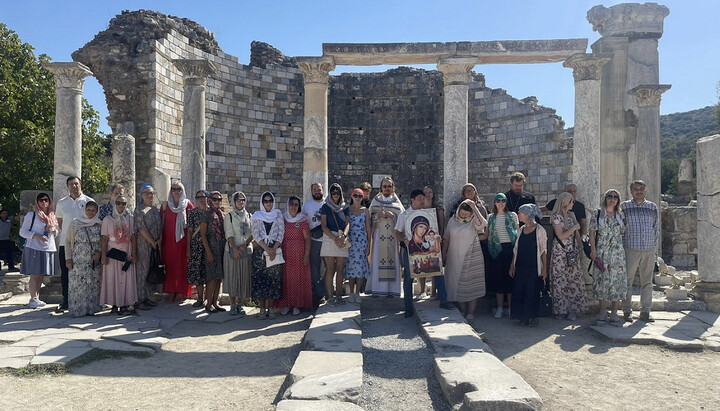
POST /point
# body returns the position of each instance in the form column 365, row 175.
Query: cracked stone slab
column 653, row 333
column 15, row 362
column 335, row 328
column 14, row 352
column 111, row 345
column 707, row 317
column 54, row 346
column 302, row 405
column 447, row 330
column 480, row 381
column 309, row 363
column 17, row 335
column 341, row 386
column 146, row 339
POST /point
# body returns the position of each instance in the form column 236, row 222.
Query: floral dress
column 566, row 282
column 267, row 281
column 357, row 265
column 196, row 263
column 151, row 221
column 85, row 277
column 610, row 285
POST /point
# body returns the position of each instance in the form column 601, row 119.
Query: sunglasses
column 240, row 200
column 613, row 197
column 501, row 201
column 44, row 200
column 357, row 196
column 215, row 199
column 268, row 201
column 122, row 203
column 200, row 197
column 176, row 189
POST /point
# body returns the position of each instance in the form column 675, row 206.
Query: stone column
column 69, row 81
column 587, row 69
column 708, row 224
column 123, row 160
column 456, row 74
column 192, row 162
column 647, row 151
column 316, row 77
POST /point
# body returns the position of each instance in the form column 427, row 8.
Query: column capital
column 629, row 20
column 456, row 70
column 587, row 66
column 69, row 75
column 648, row 95
column 195, row 72
column 316, row 69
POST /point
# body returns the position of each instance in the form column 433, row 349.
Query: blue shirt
column 642, row 225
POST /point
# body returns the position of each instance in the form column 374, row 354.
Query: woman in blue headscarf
column 148, row 225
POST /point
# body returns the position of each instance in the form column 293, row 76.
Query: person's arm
column 203, row 236
column 70, row 246
column 441, row 221
column 445, row 245
column 104, row 245
column 583, row 226
column 564, row 235
column 230, row 236
column 133, row 248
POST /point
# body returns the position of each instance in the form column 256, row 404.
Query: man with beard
column 311, row 209
column 516, row 196
column 384, row 260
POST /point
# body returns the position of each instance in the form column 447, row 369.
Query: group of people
column 276, row 259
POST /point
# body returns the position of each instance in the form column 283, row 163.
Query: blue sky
column 689, row 58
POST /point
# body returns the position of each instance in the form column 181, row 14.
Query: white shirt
column 311, row 209
column 38, row 227
column 400, row 224
column 68, row 209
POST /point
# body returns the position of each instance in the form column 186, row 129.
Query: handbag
column 545, row 301
column 157, row 272
column 116, row 254
column 586, row 241
column 278, row 258
column 346, row 244
column 316, row 233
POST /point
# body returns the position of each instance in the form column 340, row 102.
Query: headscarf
column 457, row 212
column 478, row 201
column 179, row 209
column 122, row 225
column 218, row 220
column 532, row 211
column 144, row 187
column 494, row 245
column 337, row 208
column 87, row 222
column 49, row 218
column 240, row 212
column 299, row 217
column 267, row 216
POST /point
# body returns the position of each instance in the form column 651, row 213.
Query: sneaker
column 271, row 313
column 262, row 314
column 233, row 309
column 296, row 311
column 285, row 310
column 571, row 316
column 34, row 303
column 645, row 317
column 498, row 312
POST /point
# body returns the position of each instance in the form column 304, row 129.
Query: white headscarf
column 181, row 219
column 298, row 217
column 241, row 213
column 87, row 222
column 267, row 216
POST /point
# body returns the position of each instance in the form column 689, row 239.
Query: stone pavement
column 684, row 330
column 38, row 336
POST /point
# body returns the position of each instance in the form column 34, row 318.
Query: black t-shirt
column 578, row 209
column 514, row 201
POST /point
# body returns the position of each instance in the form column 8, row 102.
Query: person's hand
column 209, row 256
column 131, row 259
column 339, row 241
column 104, row 260
column 593, row 255
column 543, row 275
column 39, row 237
column 236, row 253
column 69, row 264
column 367, row 251
column 306, row 259
column 512, row 271
column 154, row 245
column 96, row 255
column 272, row 254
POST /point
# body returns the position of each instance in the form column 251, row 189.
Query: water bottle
column 45, row 232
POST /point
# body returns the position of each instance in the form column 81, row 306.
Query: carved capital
column 69, row 75
column 629, row 20
column 316, row 69
column 649, row 95
column 456, row 70
column 195, row 72
column 587, row 66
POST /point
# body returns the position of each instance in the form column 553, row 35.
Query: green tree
column 27, row 120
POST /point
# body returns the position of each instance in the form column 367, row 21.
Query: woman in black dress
column 529, row 266
column 196, row 273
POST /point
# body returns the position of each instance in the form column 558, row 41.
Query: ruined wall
column 679, row 235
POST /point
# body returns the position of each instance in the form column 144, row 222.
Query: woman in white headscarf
column 297, row 285
column 238, row 270
column 174, row 247
column 268, row 230
column 119, row 287
column 82, row 245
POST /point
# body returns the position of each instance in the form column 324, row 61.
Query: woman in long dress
column 463, row 257
column 502, row 232
column 119, row 287
column 357, row 267
column 529, row 266
column 566, row 279
column 212, row 233
column 238, row 267
column 196, row 269
column 297, row 285
column 82, row 245
column 174, row 246
column 269, row 231
column 148, row 223
column 609, row 284
column 39, row 228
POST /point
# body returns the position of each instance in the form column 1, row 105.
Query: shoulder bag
column 346, row 244
column 157, row 272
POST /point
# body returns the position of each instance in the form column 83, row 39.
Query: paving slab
column 447, row 330
column 14, row 352
column 310, row 363
column 60, row 355
column 339, row 386
column 111, row 345
column 302, row 405
column 707, row 317
column 335, row 328
column 17, row 335
column 146, row 339
column 480, row 381
column 676, row 330
column 15, row 362
column 53, row 347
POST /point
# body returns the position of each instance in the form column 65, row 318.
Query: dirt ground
column 240, row 364
column 573, row 367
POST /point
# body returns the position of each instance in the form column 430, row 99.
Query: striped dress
column 465, row 265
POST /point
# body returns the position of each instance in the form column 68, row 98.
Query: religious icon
column 424, row 249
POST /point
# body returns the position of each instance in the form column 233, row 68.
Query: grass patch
column 97, row 354
column 35, row 371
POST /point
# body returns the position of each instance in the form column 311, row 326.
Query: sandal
column 218, row 308
column 210, row 310
column 151, row 303
column 198, row 304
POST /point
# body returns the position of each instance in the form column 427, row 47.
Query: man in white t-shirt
column 66, row 210
column 311, row 209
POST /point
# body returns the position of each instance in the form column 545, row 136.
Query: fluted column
column 456, row 74
column 587, row 168
column 69, row 82
column 647, row 152
column 316, row 77
column 192, row 162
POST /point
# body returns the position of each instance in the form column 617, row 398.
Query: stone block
column 686, row 260
column 59, row 355
column 335, row 329
column 322, row 405
column 310, row 363
column 676, row 294
column 341, row 386
column 480, row 381
column 680, row 249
